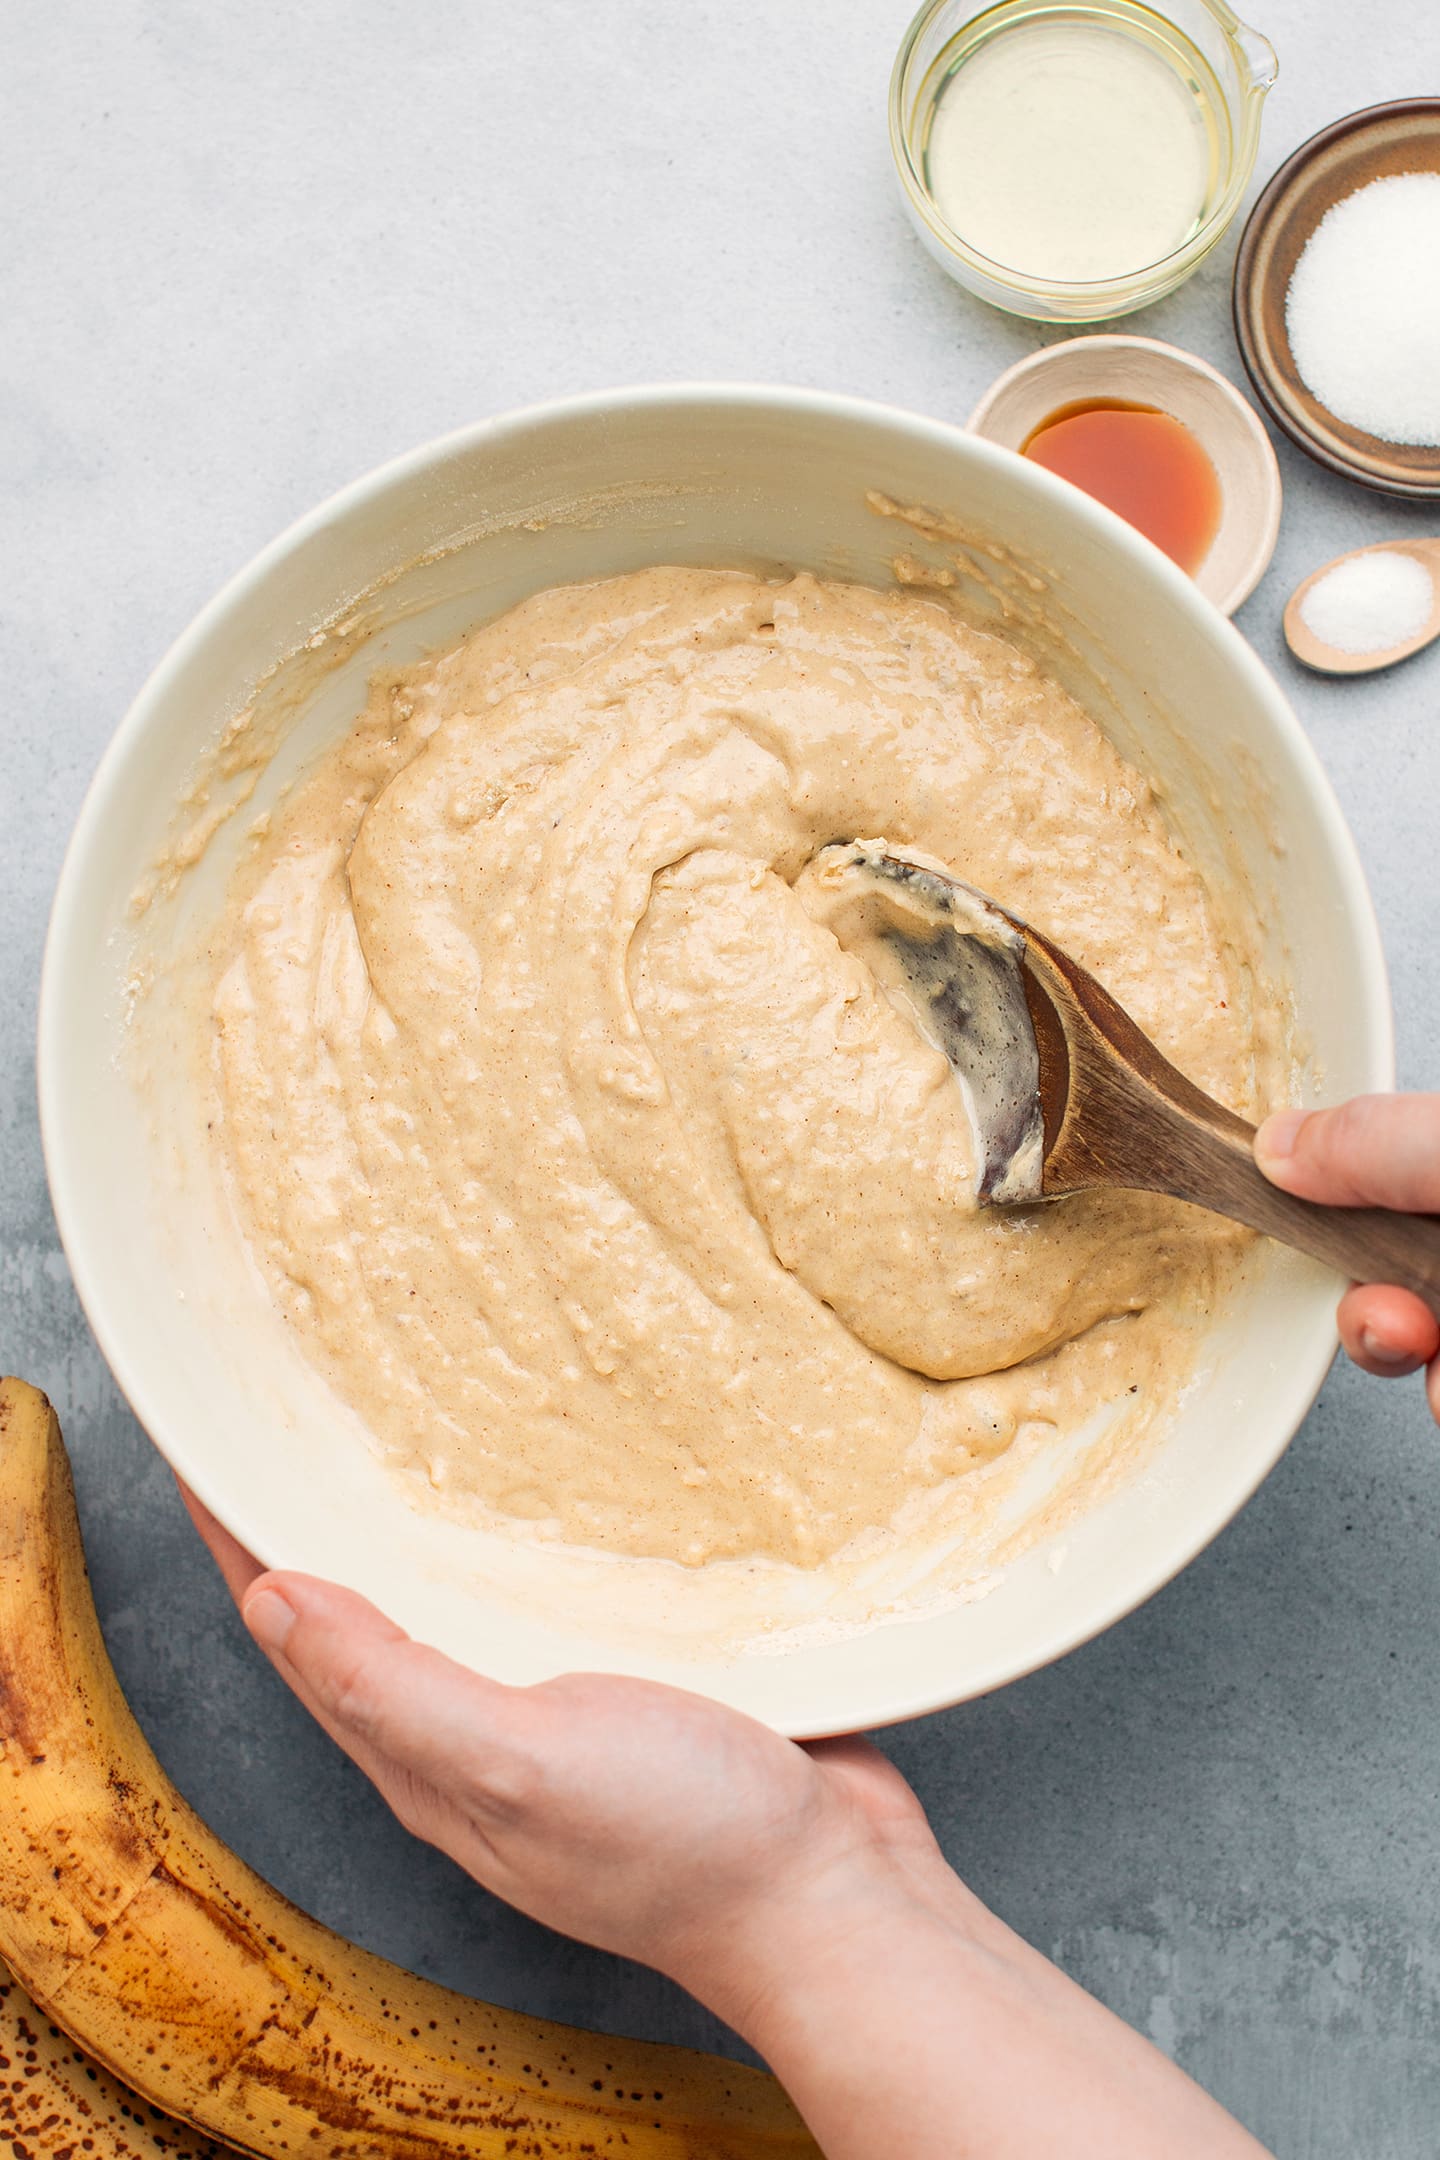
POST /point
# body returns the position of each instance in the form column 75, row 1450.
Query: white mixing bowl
column 410, row 558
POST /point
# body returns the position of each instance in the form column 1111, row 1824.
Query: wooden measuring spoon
column 1081, row 1098
column 1313, row 652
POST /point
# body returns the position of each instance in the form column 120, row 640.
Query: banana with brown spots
column 172, row 1964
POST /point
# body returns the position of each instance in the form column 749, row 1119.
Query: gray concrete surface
column 249, row 252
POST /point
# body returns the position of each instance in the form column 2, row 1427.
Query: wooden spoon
column 1085, row 1099
column 1329, row 659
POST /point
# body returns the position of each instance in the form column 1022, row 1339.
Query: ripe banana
column 55, row 2102
column 180, row 1970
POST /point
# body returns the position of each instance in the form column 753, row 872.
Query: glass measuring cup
column 1225, row 66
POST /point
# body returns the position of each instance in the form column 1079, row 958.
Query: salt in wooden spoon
column 1066, row 1092
column 1328, row 659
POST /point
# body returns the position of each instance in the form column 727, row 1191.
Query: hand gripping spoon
column 1065, row 1091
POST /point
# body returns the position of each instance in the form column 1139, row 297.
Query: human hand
column 797, row 1891
column 643, row 1819
column 1374, row 1151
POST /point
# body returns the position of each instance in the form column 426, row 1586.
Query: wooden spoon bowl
column 1313, row 652
column 1114, row 1111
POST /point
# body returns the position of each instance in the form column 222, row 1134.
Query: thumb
column 394, row 1705
column 1374, row 1151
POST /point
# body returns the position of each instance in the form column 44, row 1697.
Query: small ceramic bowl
column 1142, row 371
column 1371, row 145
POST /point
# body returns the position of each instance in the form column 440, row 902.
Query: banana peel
column 56, row 2104
column 175, row 1968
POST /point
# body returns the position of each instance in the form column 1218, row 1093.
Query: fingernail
column 1375, row 1346
column 269, row 1618
column 1277, row 1136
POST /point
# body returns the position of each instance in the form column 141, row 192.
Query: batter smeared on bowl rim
column 589, row 1165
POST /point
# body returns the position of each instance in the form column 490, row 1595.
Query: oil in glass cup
column 1072, row 160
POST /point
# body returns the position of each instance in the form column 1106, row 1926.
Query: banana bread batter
column 592, row 1169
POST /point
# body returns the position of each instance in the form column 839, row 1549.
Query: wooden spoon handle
column 1213, row 1166
column 1117, row 1112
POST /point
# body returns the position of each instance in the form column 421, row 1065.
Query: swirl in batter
column 592, row 1169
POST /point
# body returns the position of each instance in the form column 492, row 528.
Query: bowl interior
column 409, row 560
column 1371, row 145
column 1142, row 371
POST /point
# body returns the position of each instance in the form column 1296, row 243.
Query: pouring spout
column 1261, row 59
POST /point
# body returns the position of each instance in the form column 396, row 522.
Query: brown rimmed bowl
column 1374, row 144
